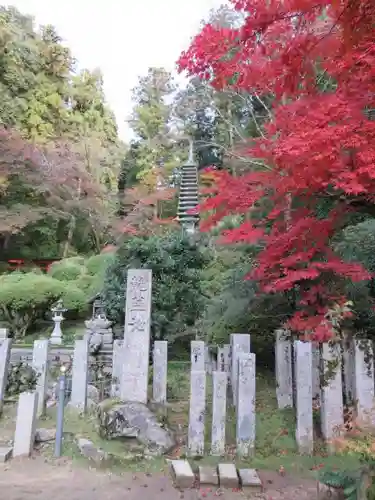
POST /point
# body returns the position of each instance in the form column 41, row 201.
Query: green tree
column 176, row 263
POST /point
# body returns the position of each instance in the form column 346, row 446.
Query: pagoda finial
column 191, row 152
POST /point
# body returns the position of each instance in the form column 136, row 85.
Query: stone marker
column 197, row 412
column 197, row 355
column 240, row 343
column 303, row 371
column 220, row 360
column 3, row 334
column 219, row 410
column 283, row 360
column 116, row 368
column 364, row 381
column 228, row 477
column 348, row 359
column 245, row 425
column 182, row 474
column 332, row 415
column 250, row 481
column 136, row 348
column 208, row 475
column 40, row 365
column 160, row 368
column 78, row 398
column 25, row 424
column 315, row 372
column 5, row 348
column 5, row 454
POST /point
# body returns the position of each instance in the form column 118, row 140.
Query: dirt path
column 37, row 480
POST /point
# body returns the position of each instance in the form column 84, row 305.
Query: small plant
column 21, row 378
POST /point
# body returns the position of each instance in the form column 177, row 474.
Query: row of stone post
column 235, row 370
column 318, row 376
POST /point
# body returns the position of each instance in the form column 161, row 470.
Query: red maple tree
column 319, row 144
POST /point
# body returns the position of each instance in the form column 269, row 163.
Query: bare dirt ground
column 37, row 480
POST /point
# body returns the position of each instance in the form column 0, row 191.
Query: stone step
column 208, row 475
column 250, row 481
column 228, row 476
column 182, row 474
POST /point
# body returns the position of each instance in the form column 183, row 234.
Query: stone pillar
column 116, row 368
column 303, row 371
column 40, row 365
column 3, row 334
column 240, row 343
column 160, row 368
column 315, row 372
column 220, row 360
column 25, row 424
column 197, row 355
column 228, row 361
column 364, row 381
column 332, row 415
column 134, row 380
column 283, row 360
column 348, row 358
column 245, row 429
column 219, row 410
column 78, row 398
column 197, row 412
column 5, row 348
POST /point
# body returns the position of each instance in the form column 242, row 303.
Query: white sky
column 122, row 37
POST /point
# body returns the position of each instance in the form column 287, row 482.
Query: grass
column 275, row 430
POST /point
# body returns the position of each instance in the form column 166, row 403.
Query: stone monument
column 136, row 347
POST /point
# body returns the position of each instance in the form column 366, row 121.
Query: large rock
column 121, row 420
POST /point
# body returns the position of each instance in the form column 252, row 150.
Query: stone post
column 303, row 370
column 25, row 424
column 245, row 430
column 116, row 368
column 220, row 360
column 219, row 410
column 5, row 348
column 240, row 343
column 283, row 360
column 197, row 355
column 332, row 415
column 3, row 334
column 160, row 368
column 315, row 372
column 364, row 381
column 197, row 412
column 136, row 348
column 348, row 358
column 40, row 365
column 80, row 375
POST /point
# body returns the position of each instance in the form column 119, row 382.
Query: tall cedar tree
column 317, row 146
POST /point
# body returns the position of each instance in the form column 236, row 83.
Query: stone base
column 208, row 475
column 228, row 476
column 182, row 474
column 250, row 481
column 55, row 340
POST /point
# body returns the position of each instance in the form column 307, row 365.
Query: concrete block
column 5, row 454
column 228, row 476
column 182, row 474
column 250, row 481
column 208, row 475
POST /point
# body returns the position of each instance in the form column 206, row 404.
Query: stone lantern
column 57, row 316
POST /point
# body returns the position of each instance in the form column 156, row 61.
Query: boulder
column 130, row 419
